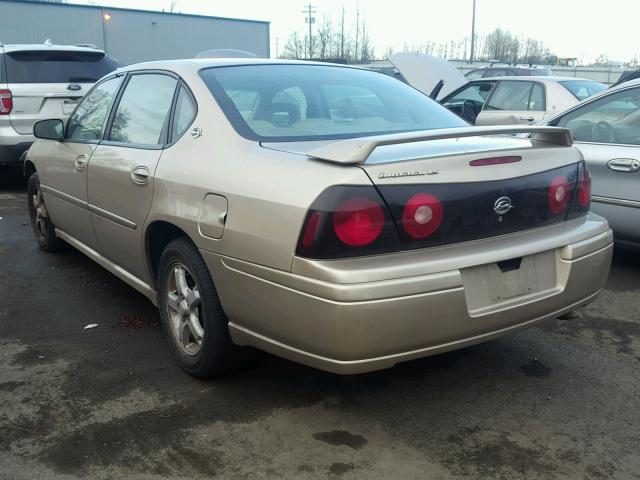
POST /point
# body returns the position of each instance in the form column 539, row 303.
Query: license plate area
column 68, row 106
column 507, row 283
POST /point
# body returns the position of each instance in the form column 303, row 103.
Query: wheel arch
column 157, row 236
column 28, row 167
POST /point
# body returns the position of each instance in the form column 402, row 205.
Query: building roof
column 134, row 10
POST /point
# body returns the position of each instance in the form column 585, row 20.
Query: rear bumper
column 371, row 325
column 12, row 146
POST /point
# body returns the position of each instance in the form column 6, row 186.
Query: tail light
column 559, row 195
column 584, row 187
column 6, row 102
column 358, row 221
column 422, row 215
column 347, row 221
column 582, row 201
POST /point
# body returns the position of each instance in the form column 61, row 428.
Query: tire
column 201, row 344
column 43, row 227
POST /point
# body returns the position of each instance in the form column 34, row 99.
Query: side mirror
column 49, row 129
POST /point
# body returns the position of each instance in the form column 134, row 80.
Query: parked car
column 606, row 129
column 518, row 100
column 492, row 101
column 508, row 70
column 328, row 214
column 38, row 82
column 626, row 76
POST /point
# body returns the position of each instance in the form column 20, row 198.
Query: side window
column 143, row 110
column 476, row 93
column 184, row 114
column 611, row 119
column 87, row 121
column 536, row 102
column 510, row 95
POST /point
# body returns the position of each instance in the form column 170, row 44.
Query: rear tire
column 43, row 228
column 196, row 327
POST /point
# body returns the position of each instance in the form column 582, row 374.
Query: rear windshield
column 582, row 89
column 309, row 102
column 57, row 66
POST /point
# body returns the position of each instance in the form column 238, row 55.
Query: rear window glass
column 309, row 102
column 53, row 66
column 582, row 89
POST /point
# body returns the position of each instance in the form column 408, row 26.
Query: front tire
column 43, row 228
column 196, row 327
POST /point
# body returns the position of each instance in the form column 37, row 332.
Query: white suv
column 39, row 82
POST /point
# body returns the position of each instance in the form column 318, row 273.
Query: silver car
column 39, row 82
column 327, row 214
column 606, row 129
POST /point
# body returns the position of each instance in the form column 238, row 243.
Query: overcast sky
column 570, row 28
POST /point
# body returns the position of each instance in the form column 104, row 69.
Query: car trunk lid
column 455, row 185
column 425, row 72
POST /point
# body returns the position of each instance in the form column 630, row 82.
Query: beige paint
column 347, row 315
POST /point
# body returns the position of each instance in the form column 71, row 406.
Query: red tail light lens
column 559, row 195
column 348, row 221
column 6, row 102
column 422, row 215
column 310, row 230
column 584, row 187
column 358, row 221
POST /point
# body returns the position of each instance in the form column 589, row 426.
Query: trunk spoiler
column 357, row 150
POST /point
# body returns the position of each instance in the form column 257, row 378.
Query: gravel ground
column 558, row 401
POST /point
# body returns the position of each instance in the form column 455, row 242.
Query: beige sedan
column 327, row 214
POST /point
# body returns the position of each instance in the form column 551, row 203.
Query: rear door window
column 51, row 66
column 511, row 96
column 143, row 111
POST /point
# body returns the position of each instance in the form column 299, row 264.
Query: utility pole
column 310, row 19
column 357, row 30
column 473, row 33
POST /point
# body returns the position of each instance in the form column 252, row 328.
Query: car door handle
column 527, row 119
column 80, row 163
column 140, row 175
column 624, row 165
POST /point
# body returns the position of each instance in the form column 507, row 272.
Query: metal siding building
column 129, row 36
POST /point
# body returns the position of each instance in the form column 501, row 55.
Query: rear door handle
column 140, row 175
column 80, row 163
column 624, row 165
column 527, row 119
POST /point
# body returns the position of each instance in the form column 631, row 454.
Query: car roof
column 195, row 64
column 46, row 47
column 544, row 79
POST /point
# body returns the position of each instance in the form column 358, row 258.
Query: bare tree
column 295, row 47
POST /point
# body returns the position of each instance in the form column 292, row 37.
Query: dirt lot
column 561, row 400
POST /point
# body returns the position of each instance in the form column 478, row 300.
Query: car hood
column 424, row 71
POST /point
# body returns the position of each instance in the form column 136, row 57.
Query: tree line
column 339, row 40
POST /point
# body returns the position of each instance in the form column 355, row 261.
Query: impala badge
column 502, row 206
column 416, row 173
